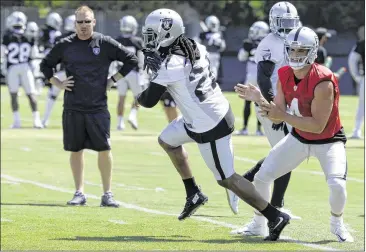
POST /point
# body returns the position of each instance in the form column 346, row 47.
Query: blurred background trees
column 339, row 15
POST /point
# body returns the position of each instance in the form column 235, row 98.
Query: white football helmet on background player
column 32, row 30
column 299, row 41
column 69, row 23
column 162, row 27
column 54, row 20
column 283, row 18
column 128, row 25
column 212, row 23
column 258, row 30
column 17, row 22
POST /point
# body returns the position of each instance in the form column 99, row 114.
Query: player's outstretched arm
column 151, row 96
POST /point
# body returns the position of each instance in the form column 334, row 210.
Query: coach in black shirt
column 86, row 120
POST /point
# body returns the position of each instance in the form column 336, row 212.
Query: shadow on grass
column 34, row 204
column 174, row 238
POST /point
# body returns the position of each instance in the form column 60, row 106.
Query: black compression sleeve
column 264, row 73
column 151, row 96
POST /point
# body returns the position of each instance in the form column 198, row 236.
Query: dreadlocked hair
column 186, row 45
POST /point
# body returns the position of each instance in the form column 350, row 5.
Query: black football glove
column 152, row 60
column 276, row 127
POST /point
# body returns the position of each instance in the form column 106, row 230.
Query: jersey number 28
column 18, row 53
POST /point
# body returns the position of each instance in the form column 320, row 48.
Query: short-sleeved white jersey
column 272, row 48
column 195, row 91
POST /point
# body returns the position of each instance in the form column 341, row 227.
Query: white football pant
column 20, row 74
column 218, row 155
column 290, row 153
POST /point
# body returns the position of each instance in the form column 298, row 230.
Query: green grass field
column 36, row 182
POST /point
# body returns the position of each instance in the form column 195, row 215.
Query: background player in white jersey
column 356, row 63
column 214, row 41
column 17, row 51
column 256, row 33
column 181, row 66
column 135, row 79
column 270, row 57
column 32, row 33
column 56, row 35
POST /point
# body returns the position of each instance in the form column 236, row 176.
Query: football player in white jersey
column 181, row 66
column 356, row 63
column 270, row 57
column 32, row 33
column 69, row 27
column 135, row 79
column 214, row 41
column 17, row 51
column 257, row 32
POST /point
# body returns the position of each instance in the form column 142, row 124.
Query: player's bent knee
column 263, row 177
column 228, row 182
column 337, row 186
column 166, row 146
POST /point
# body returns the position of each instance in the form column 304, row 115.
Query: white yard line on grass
column 152, row 211
column 117, row 221
column 5, row 220
column 129, row 187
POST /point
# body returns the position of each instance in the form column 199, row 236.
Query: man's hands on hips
column 66, row 84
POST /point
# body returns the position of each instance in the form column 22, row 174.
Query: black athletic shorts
column 86, row 130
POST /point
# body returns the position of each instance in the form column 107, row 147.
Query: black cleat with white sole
column 276, row 227
column 192, row 204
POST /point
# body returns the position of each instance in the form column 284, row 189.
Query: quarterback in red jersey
column 307, row 98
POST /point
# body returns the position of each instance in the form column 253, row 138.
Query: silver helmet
column 301, row 47
column 17, row 22
column 283, row 18
column 258, row 30
column 32, row 30
column 162, row 27
column 128, row 25
column 212, row 23
column 69, row 23
column 54, row 20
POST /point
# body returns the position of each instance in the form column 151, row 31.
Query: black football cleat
column 276, row 227
column 79, row 199
column 192, row 204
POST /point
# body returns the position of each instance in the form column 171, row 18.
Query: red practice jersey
column 300, row 96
